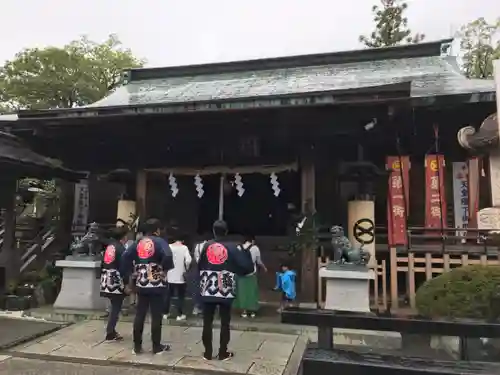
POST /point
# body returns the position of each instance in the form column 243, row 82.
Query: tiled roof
column 14, row 152
column 425, row 70
column 430, row 76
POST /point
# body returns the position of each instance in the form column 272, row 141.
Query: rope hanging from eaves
column 262, row 169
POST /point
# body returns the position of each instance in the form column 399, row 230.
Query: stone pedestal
column 347, row 287
column 80, row 289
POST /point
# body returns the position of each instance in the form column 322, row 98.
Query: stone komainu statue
column 92, row 243
column 344, row 252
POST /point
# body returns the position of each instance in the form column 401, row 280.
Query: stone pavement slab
column 256, row 353
column 262, row 323
column 15, row 330
column 19, row 366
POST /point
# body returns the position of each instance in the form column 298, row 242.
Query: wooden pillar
column 309, row 271
column 496, row 72
column 495, row 154
column 67, row 207
column 140, row 194
column 10, row 256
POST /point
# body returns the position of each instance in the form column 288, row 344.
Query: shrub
column 466, row 292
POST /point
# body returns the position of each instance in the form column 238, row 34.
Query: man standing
column 176, row 277
column 112, row 282
column 150, row 258
column 220, row 261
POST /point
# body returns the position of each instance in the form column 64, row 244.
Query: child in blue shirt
column 285, row 283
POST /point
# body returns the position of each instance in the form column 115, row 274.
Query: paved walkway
column 256, row 353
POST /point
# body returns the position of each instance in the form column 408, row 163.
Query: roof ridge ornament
column 482, row 140
column 125, row 78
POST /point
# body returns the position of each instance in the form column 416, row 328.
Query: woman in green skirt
column 247, row 292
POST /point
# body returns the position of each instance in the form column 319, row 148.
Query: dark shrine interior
column 262, row 137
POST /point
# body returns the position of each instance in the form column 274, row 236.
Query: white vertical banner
column 81, row 208
column 461, row 196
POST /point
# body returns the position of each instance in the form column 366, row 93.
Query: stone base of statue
column 80, row 287
column 347, row 287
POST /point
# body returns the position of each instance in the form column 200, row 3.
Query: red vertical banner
column 398, row 199
column 435, row 200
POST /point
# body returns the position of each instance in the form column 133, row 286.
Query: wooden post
column 10, row 256
column 221, row 196
column 494, row 157
column 66, row 207
column 496, row 72
column 308, row 274
column 140, row 192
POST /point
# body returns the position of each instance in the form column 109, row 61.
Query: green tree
column 391, row 27
column 4, row 109
column 480, row 43
column 77, row 74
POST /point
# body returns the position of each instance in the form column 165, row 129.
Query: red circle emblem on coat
column 109, row 254
column 216, row 253
column 145, row 248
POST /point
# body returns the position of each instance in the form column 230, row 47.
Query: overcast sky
column 175, row 32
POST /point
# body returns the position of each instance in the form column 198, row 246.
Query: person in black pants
column 150, row 258
column 220, row 261
column 113, row 285
column 178, row 291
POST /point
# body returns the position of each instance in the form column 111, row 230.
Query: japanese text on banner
column 435, row 202
column 397, row 199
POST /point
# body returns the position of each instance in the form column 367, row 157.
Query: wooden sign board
column 489, row 218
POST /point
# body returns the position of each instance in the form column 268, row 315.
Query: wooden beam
column 308, row 185
column 496, row 72
column 309, row 266
column 10, row 256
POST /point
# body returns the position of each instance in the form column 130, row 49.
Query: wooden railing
column 40, row 244
column 449, row 239
column 326, row 358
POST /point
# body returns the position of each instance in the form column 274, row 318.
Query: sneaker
column 166, row 316
column 161, row 349
column 225, row 356
column 181, row 317
column 252, row 315
column 244, row 315
column 114, row 337
column 137, row 349
column 207, row 356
